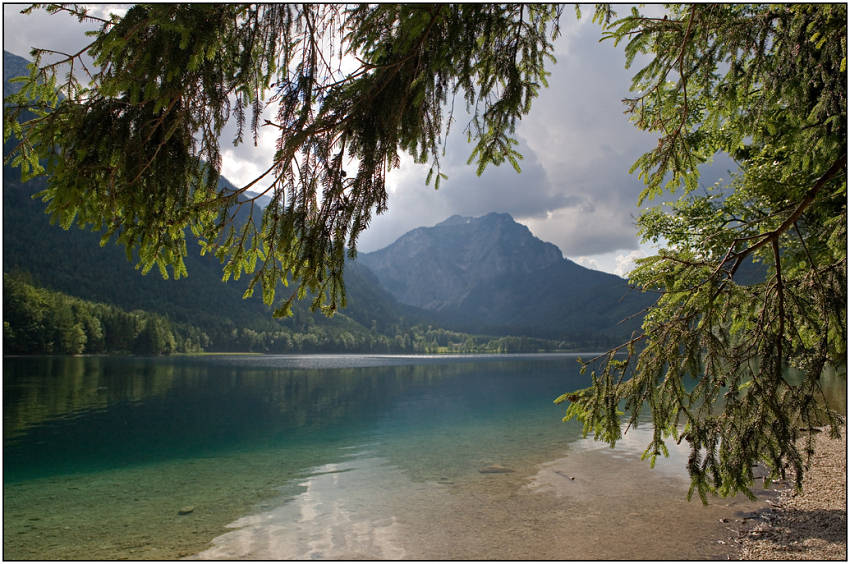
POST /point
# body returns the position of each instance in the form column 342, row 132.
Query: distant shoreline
column 329, row 353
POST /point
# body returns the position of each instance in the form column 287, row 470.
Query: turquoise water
column 329, row 457
column 66, row 415
column 268, row 422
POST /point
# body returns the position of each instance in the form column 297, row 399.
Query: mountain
column 73, row 262
column 13, row 66
column 437, row 268
column 490, row 275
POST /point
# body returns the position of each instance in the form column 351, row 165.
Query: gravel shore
column 807, row 525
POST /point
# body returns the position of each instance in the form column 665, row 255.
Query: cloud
column 412, row 203
column 60, row 32
column 616, row 262
column 575, row 189
column 245, row 162
column 105, row 10
column 587, row 262
column 579, row 233
column 626, row 263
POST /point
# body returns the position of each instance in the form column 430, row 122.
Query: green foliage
column 40, row 321
column 735, row 370
column 135, row 151
column 63, row 261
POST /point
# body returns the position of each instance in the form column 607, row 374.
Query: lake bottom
column 395, row 473
column 590, row 503
column 596, row 515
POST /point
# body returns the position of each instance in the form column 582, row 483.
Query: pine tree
column 736, row 370
column 68, row 334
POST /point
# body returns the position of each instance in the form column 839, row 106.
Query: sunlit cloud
column 626, row 263
column 106, row 10
column 587, row 262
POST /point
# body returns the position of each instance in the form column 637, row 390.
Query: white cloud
column 238, row 171
column 616, row 262
column 243, row 163
column 626, row 263
column 587, row 262
column 105, row 10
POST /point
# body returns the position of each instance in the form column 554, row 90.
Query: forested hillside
column 40, row 321
column 72, row 262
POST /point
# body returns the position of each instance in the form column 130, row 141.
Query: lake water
column 329, row 457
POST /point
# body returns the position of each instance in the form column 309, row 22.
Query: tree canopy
column 734, row 370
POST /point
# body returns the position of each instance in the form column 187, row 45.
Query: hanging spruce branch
column 735, row 370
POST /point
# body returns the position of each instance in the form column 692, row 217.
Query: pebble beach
column 806, row 525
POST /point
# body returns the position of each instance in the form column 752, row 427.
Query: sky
column 577, row 145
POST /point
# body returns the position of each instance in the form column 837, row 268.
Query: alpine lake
column 333, row 457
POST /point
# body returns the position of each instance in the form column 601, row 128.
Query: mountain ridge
column 497, row 242
column 73, row 262
column 490, row 274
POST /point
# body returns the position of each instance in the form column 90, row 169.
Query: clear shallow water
column 313, row 457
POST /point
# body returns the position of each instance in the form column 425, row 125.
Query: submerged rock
column 495, row 469
column 186, row 510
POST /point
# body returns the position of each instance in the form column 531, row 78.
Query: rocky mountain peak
column 436, row 267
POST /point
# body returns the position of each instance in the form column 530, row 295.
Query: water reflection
column 64, row 414
column 344, row 510
column 37, row 390
column 71, row 414
column 363, row 452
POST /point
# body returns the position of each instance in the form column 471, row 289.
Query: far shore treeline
column 40, row 321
